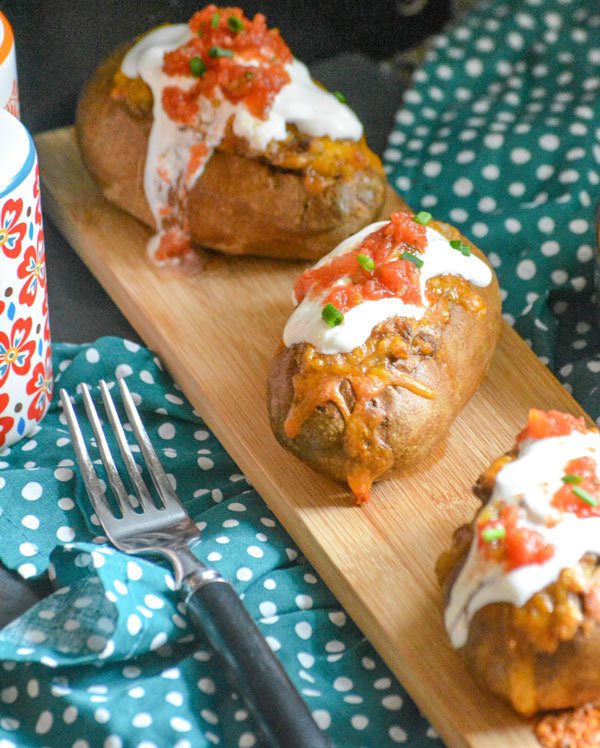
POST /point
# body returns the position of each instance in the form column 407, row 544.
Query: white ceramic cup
column 9, row 91
column 25, row 361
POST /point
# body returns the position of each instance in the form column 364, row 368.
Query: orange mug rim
column 7, row 40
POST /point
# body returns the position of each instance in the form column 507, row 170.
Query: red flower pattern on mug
column 46, row 316
column 40, row 386
column 12, row 232
column 33, row 270
column 37, row 196
column 16, row 351
column 12, row 105
column 6, row 422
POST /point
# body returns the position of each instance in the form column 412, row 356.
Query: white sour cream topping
column 530, row 481
column 304, row 104
column 306, row 325
column 300, row 102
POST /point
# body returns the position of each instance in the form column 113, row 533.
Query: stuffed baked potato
column 393, row 332
column 212, row 131
column 522, row 581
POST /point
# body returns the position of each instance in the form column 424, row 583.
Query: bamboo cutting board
column 216, row 332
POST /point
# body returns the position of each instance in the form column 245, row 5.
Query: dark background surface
column 59, row 44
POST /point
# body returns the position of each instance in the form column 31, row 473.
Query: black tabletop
column 59, row 44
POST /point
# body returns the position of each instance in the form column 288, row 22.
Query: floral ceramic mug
column 25, row 361
column 9, row 92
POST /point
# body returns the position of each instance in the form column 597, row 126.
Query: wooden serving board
column 216, row 332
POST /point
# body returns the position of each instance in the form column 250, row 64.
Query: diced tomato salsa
column 520, row 546
column 543, row 424
column 198, row 155
column 567, row 500
column 392, row 276
column 499, row 536
column 226, row 41
column 174, row 243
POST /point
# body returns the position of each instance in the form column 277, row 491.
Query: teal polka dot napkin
column 499, row 135
column 108, row 660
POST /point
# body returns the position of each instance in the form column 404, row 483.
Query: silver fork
column 213, row 606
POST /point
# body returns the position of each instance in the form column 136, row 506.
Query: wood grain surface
column 216, row 333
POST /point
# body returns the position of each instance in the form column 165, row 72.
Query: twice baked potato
column 212, row 132
column 522, row 581
column 393, row 332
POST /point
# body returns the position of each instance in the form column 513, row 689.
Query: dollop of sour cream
column 300, row 102
column 306, row 324
column 530, row 481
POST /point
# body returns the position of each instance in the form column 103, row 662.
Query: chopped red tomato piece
column 391, row 276
column 227, row 46
column 543, row 424
column 581, row 492
column 519, row 546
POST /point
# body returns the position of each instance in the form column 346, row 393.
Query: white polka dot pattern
column 108, row 659
column 521, row 92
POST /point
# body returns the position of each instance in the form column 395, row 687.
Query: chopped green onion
column 220, row 52
column 412, row 258
column 422, row 217
column 197, row 66
column 214, row 21
column 332, row 316
column 365, row 262
column 568, row 478
column 235, row 24
column 585, row 496
column 463, row 248
column 493, row 533
column 339, row 96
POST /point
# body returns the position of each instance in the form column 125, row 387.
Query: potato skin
column 531, row 681
column 412, row 425
column 239, row 205
column 520, row 658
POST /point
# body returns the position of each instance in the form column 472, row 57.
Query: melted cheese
column 301, row 102
column 529, row 481
column 306, row 324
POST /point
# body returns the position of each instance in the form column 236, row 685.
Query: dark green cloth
column 499, row 136
column 108, row 660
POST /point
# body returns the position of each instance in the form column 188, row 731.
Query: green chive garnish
column 235, row 24
column 214, row 22
column 463, row 248
column 339, row 96
column 412, row 258
column 493, row 533
column 422, row 217
column 220, row 52
column 365, row 262
column 197, row 66
column 568, row 478
column 585, row 496
column 332, row 316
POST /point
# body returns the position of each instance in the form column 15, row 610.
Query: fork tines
column 89, row 475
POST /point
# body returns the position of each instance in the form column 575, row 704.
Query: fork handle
column 217, row 612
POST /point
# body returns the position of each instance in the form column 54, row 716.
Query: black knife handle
column 257, row 675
